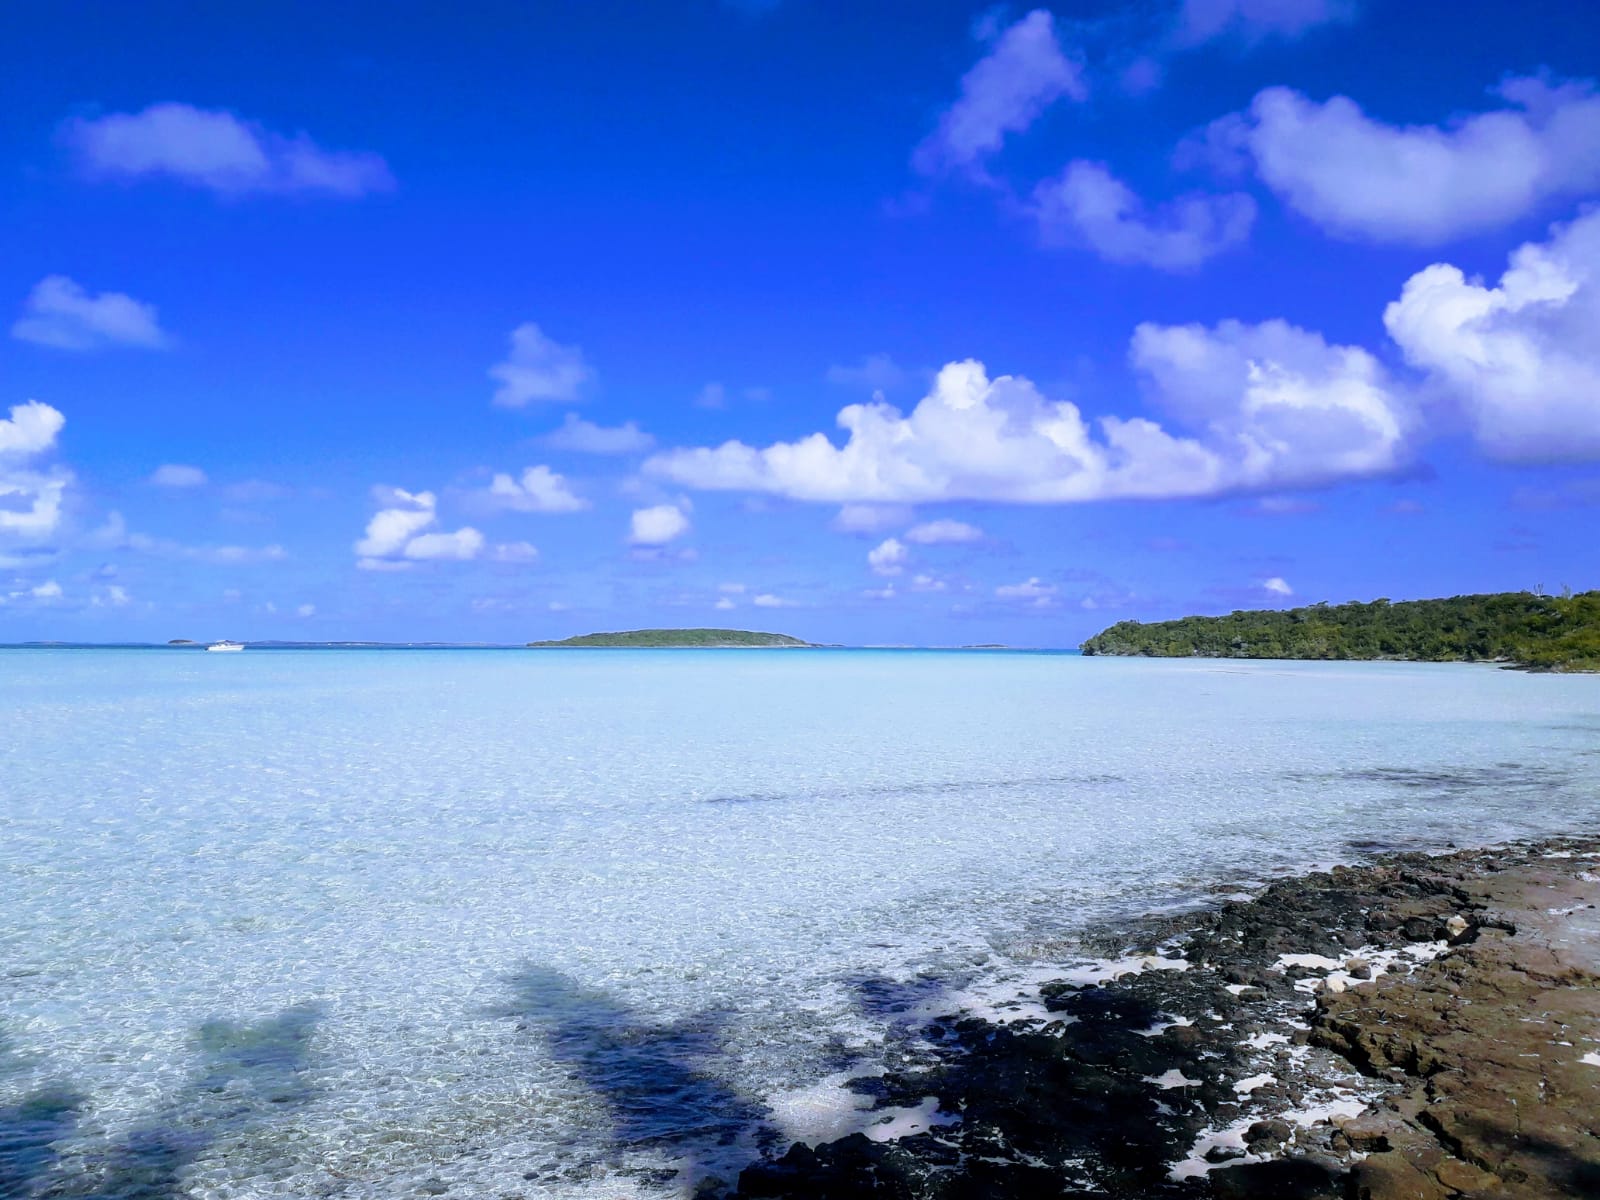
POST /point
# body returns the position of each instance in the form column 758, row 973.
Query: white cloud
column 406, row 515
column 888, row 557
column 1033, row 590
column 1004, row 93
column 768, row 600
column 30, row 498
column 658, row 525
column 886, row 592
column 1522, row 359
column 515, row 552
column 927, row 583
column 306, row 610
column 539, row 490
column 584, row 437
column 1271, row 406
column 30, row 429
column 539, row 369
column 462, row 545
column 215, row 149
column 870, row 518
column 1086, row 205
column 943, row 532
column 724, row 604
column 60, row 313
column 394, row 536
column 874, row 373
column 713, row 395
column 113, row 596
column 1280, row 405
column 1251, row 20
column 1277, row 585
column 1422, row 184
column 177, row 475
column 48, row 590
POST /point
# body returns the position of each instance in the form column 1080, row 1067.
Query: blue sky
column 890, row 323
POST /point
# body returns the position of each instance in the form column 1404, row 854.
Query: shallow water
column 302, row 923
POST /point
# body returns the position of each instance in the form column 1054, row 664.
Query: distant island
column 1558, row 633
column 674, row 638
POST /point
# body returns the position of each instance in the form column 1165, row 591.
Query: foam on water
column 280, row 924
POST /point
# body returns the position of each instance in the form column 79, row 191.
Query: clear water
column 367, row 923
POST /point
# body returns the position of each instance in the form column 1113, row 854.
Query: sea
column 499, row 923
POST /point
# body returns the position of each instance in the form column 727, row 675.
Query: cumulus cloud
column 584, row 437
column 724, row 604
column 460, row 546
column 1032, row 591
column 30, row 429
column 1251, row 20
column 30, row 496
column 1423, row 184
column 395, row 535
column 60, row 313
column 1270, row 406
column 539, row 489
column 178, row 475
column 48, row 590
column 768, row 600
column 888, row 557
column 1277, row 585
column 1024, row 73
column 1280, row 403
column 539, row 369
column 1522, row 359
column 943, row 532
column 216, row 149
column 658, row 525
column 306, row 610
column 1086, row 205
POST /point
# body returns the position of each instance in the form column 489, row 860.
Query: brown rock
column 1464, row 1177
column 1392, row 1176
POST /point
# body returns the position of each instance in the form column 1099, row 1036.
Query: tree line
column 1527, row 628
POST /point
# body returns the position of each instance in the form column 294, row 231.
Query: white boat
column 225, row 645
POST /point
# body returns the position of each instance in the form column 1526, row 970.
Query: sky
column 930, row 323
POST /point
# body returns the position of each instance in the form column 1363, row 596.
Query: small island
column 657, row 639
column 1526, row 629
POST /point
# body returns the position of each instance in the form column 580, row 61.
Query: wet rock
column 1282, row 1179
column 1264, row 1135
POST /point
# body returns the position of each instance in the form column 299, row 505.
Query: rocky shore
column 1423, row 1027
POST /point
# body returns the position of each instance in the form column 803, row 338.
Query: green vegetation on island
column 1529, row 629
column 674, row 638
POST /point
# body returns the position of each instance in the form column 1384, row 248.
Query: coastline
column 1424, row 1026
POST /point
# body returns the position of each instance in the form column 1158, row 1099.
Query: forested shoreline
column 1525, row 628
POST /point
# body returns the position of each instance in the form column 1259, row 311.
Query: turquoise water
column 300, row 923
